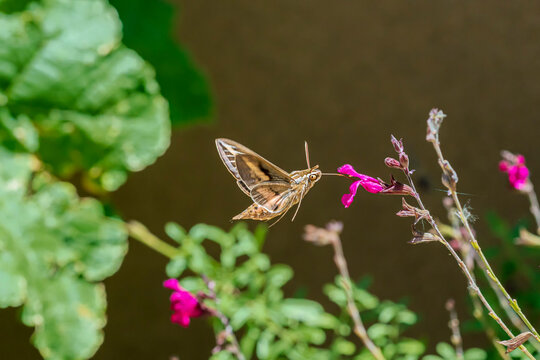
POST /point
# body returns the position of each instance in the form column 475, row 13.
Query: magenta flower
column 370, row 184
column 514, row 166
column 183, row 304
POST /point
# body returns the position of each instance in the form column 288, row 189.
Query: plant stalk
column 471, row 281
column 474, row 243
column 359, row 328
column 139, row 232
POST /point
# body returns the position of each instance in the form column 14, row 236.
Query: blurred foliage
column 54, row 248
column 148, row 30
column 73, row 94
column 272, row 326
column 75, row 101
column 447, row 352
column 516, row 263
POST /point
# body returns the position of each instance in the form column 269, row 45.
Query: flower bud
column 392, row 163
column 434, row 122
column 398, row 144
column 404, row 160
column 449, row 176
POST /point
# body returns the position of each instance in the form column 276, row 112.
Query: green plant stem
column 477, row 305
column 359, row 328
column 490, row 333
column 514, row 319
column 489, row 271
column 139, row 232
column 471, row 281
column 474, row 243
column 479, row 314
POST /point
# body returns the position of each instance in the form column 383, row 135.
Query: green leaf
column 432, row 357
column 95, row 103
column 411, row 347
column 406, row 317
column 446, row 351
column 380, row 331
column 388, row 313
column 475, row 354
column 279, row 275
column 176, row 266
column 249, row 340
column 307, row 311
column 175, row 232
column 336, row 294
column 343, row 347
column 201, row 232
column 264, row 343
column 222, row 355
column 148, row 30
column 54, row 246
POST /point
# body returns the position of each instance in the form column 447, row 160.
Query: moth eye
column 312, row 177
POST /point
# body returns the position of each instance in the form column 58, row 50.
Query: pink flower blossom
column 183, row 304
column 518, row 173
column 370, row 184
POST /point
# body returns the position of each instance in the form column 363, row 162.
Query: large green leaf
column 95, row 104
column 54, row 247
column 148, row 30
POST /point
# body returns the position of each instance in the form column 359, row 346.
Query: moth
column 273, row 190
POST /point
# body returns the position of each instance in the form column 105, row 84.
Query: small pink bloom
column 518, row 173
column 503, row 166
column 184, row 305
column 370, row 184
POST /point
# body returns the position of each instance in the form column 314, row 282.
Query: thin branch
column 534, row 207
column 474, row 243
column 465, row 249
column 234, row 347
column 453, row 324
column 470, row 279
column 330, row 235
column 359, row 328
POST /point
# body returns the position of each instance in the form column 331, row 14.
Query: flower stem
column 234, row 347
column 474, row 243
column 453, row 324
column 470, row 279
column 489, row 271
column 359, row 328
column 535, row 207
column 139, row 232
column 477, row 312
column 490, row 333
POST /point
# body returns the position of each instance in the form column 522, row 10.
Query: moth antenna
column 299, row 203
column 275, row 222
column 307, row 154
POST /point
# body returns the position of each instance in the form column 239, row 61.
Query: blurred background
column 343, row 76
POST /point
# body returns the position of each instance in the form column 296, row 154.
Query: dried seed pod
column 515, row 342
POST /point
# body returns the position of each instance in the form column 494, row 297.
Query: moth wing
column 247, row 166
column 255, row 212
column 275, row 197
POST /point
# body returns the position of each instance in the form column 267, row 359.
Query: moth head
column 315, row 174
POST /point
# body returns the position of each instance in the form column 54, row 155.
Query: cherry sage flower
column 514, row 166
column 183, row 304
column 370, row 184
